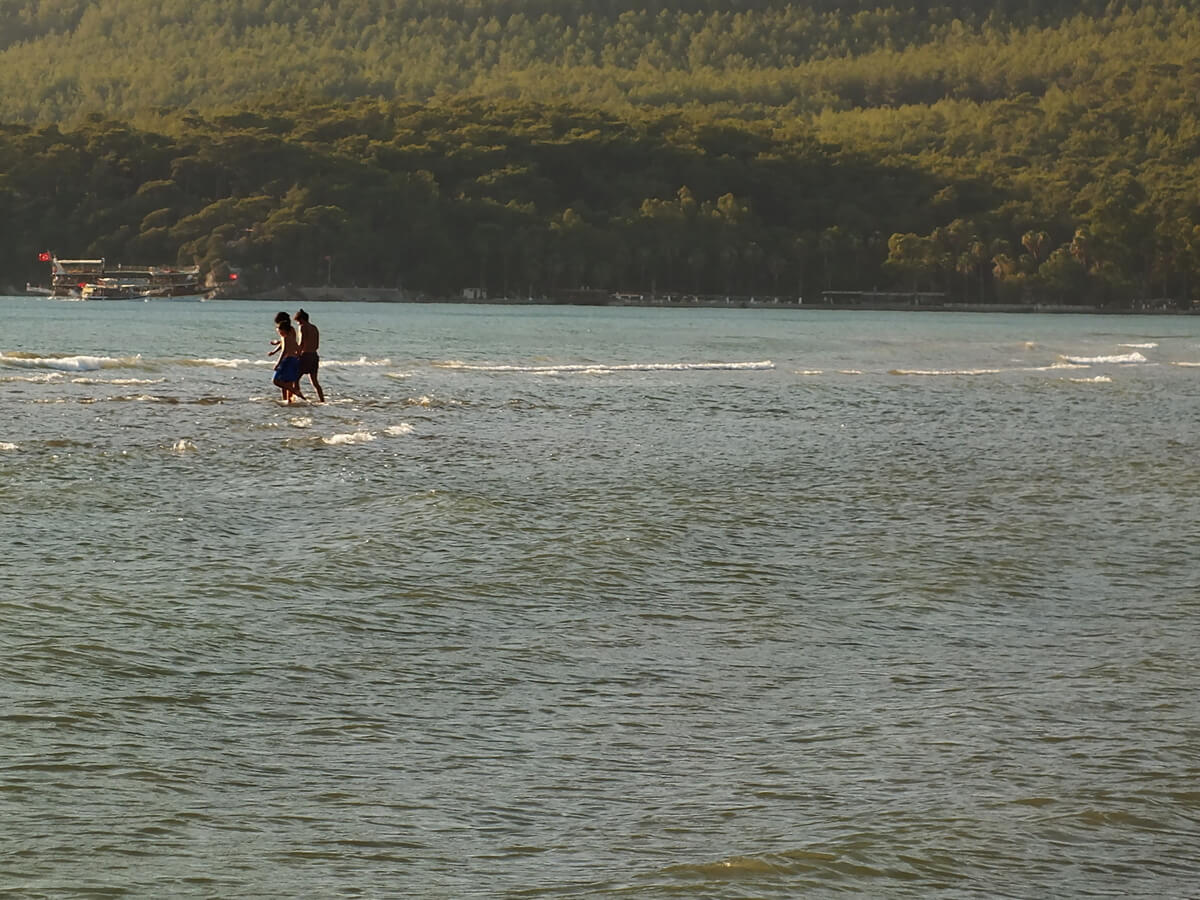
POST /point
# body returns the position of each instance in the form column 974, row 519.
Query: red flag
column 44, row 256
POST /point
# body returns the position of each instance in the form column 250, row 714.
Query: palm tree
column 1036, row 244
column 1082, row 248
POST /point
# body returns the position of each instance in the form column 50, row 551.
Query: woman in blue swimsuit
column 287, row 370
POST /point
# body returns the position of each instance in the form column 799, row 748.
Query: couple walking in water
column 297, row 355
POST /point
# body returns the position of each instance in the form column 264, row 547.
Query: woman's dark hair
column 281, row 317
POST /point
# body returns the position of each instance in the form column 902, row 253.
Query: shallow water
column 598, row 602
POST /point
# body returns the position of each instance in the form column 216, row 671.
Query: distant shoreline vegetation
column 995, row 155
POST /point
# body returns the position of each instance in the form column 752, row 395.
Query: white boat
column 112, row 289
column 97, row 279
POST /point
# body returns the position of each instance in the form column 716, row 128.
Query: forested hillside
column 993, row 150
column 60, row 59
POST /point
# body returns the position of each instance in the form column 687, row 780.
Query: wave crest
column 934, row 372
column 64, row 363
column 356, row 437
column 1133, row 357
column 604, row 368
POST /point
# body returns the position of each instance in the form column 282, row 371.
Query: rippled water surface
column 598, row 602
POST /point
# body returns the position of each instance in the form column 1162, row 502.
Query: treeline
column 521, row 199
column 992, row 151
column 512, row 198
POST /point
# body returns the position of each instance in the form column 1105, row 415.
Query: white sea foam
column 398, row 430
column 183, row 445
column 68, row 363
column 361, row 362
column 300, row 421
column 39, row 378
column 121, row 381
column 1187, row 365
column 7, row 445
column 357, row 437
column 1054, row 366
column 1098, row 379
column 1150, row 345
column 934, row 372
column 603, row 368
column 809, row 372
column 1133, row 357
column 220, row 363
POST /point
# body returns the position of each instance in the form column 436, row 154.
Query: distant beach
column 826, row 300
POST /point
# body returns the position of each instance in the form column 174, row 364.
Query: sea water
column 564, row 601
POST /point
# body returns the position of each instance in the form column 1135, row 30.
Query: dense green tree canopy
column 991, row 150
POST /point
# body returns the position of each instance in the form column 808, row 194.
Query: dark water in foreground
column 598, row 602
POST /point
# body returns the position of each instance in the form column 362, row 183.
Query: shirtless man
column 310, row 340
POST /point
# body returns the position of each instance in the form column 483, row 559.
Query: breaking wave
column 945, row 371
column 238, row 363
column 120, row 381
column 605, row 368
column 356, row 437
column 64, row 363
column 1133, row 357
column 39, row 378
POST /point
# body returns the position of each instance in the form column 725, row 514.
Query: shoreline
column 842, row 300
column 863, row 301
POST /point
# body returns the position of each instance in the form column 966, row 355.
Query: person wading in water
column 287, row 369
column 310, row 340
